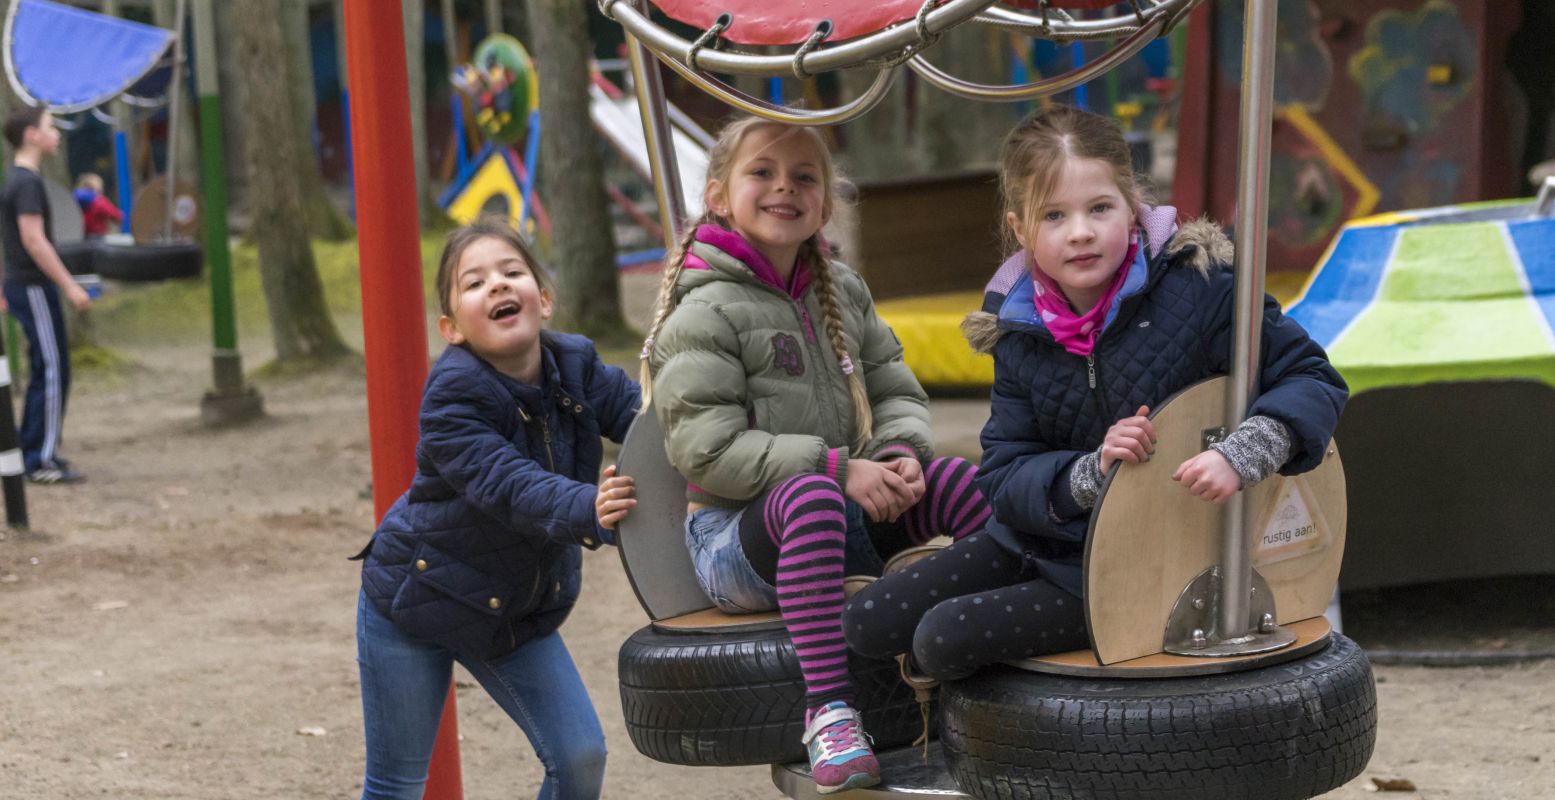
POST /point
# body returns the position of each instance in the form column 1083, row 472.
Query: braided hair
column 720, row 167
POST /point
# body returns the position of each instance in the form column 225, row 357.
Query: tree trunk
column 493, row 17
column 415, row 63
column 323, row 219
column 877, row 146
column 955, row 133
column 571, row 173
column 294, row 295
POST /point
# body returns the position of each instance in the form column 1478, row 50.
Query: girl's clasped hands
column 884, row 489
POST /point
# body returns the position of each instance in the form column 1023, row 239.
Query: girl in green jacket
column 786, row 405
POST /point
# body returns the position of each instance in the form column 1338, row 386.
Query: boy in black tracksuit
column 32, row 272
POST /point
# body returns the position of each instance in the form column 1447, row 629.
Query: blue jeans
column 726, row 574
column 405, row 682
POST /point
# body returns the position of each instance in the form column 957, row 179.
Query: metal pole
column 656, row 134
column 176, row 87
column 230, row 401
column 1252, row 217
column 393, row 308
column 120, row 111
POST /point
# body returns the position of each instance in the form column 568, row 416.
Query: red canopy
column 759, row 22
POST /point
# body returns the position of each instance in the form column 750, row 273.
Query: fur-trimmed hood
column 1199, row 244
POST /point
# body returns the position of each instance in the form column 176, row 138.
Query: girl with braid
column 787, row 407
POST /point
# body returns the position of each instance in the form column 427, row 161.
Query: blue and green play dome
column 1461, row 293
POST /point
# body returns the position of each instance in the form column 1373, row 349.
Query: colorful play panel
column 1457, row 293
column 1460, row 293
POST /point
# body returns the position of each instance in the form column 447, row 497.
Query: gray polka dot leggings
column 971, row 604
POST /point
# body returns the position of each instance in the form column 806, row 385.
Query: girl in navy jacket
column 479, row 561
column 1105, row 311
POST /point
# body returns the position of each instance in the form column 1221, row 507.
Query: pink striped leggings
column 795, row 537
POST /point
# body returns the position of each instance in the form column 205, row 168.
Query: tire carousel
column 1212, row 671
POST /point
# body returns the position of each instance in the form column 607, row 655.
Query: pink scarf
column 1077, row 332
column 735, row 245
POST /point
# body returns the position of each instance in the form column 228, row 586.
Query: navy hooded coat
column 1168, row 329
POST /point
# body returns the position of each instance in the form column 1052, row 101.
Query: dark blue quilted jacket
column 1168, row 329
column 482, row 553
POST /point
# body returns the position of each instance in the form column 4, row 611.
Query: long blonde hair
column 720, row 167
column 1035, row 152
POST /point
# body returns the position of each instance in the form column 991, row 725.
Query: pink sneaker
column 840, row 756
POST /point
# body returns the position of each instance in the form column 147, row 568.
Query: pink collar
column 1077, row 332
column 735, row 246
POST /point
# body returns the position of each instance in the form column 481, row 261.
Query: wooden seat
column 652, row 538
column 652, row 542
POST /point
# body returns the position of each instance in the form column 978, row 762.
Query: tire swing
column 1212, row 673
column 164, row 238
column 703, row 688
column 1127, row 720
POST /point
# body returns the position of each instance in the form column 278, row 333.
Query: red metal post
column 1192, row 192
column 393, row 308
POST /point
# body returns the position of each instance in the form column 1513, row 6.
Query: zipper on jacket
column 513, row 612
column 1096, row 389
column 804, row 317
column 545, row 434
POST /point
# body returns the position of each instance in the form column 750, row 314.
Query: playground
column 181, row 625
column 187, row 634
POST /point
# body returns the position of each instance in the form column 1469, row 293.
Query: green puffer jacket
column 749, row 392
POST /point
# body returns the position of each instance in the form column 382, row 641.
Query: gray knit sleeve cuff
column 1256, row 449
column 1085, row 479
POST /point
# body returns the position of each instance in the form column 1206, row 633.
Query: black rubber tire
column 732, row 699
column 1289, row 731
column 149, row 262
column 80, row 257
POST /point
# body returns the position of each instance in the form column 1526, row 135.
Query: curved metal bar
column 1047, row 86
column 1062, row 27
column 792, row 116
column 856, row 52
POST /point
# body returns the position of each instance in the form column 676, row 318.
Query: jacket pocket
column 449, row 602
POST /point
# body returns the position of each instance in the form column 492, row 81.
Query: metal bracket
column 1544, row 205
column 1190, row 630
column 1211, row 436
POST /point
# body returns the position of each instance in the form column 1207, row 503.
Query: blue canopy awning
column 70, row 59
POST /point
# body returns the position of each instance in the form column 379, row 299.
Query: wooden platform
column 1311, row 636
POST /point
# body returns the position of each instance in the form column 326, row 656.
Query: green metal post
column 230, row 401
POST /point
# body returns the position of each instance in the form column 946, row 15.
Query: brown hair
column 495, row 226
column 19, row 120
column 90, row 180
column 720, row 167
column 1035, row 152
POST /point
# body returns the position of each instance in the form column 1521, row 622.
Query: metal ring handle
column 1042, row 88
column 719, row 26
column 1064, row 28
column 792, row 116
column 862, row 51
column 822, row 30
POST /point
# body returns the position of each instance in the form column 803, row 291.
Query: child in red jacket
column 97, row 211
